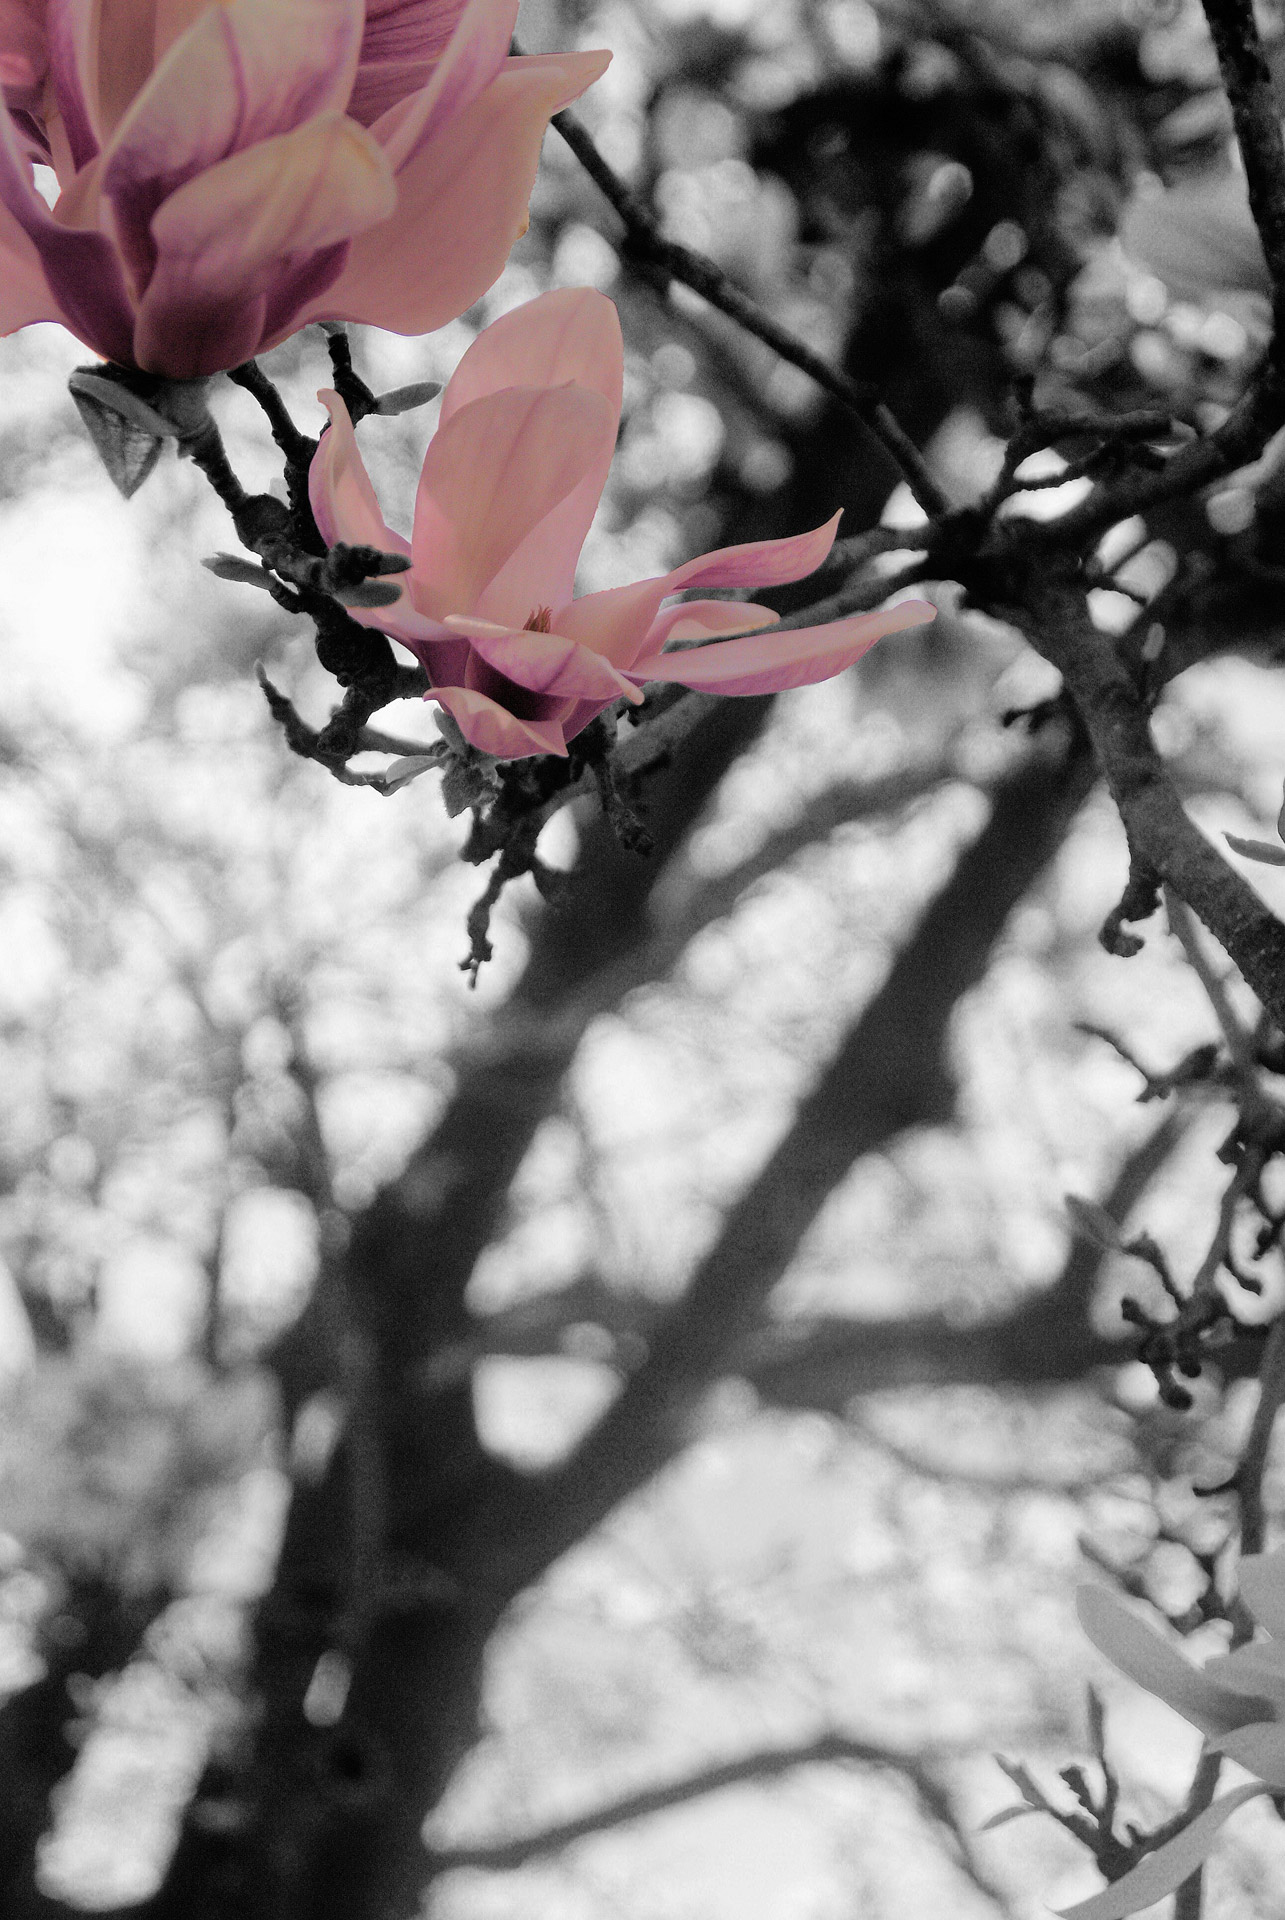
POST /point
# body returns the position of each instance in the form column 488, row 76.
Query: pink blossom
column 230, row 171
column 510, row 484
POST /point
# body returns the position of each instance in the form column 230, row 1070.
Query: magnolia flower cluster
column 218, row 173
column 228, row 172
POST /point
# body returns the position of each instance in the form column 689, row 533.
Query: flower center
column 539, row 620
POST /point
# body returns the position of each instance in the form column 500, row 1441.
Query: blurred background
column 543, row 1397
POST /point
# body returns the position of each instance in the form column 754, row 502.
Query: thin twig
column 298, row 447
column 769, row 1763
column 1240, row 1044
column 1189, row 1898
column 645, row 245
column 1057, row 623
column 1204, row 1288
column 1253, row 1459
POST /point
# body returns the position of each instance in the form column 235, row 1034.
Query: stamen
column 539, row 620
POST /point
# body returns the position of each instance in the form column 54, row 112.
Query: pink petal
column 760, row 563
column 244, row 72
column 773, row 662
column 31, row 134
column 105, row 50
column 619, row 621
column 491, row 474
column 80, row 268
column 345, row 507
column 398, row 30
column 570, row 335
column 1262, row 1588
column 1140, row 1652
column 74, row 29
column 545, row 662
column 404, row 40
column 702, row 619
column 461, row 203
column 24, row 291
column 473, row 56
column 578, row 718
column 380, row 87
column 24, row 53
column 615, row 622
column 493, row 729
column 229, row 235
column 344, row 503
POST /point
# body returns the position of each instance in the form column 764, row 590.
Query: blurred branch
column 1188, row 1902
column 829, row 1361
column 889, row 1073
column 1248, row 1479
column 683, row 908
column 768, row 1763
column 351, row 1353
column 414, row 1248
column 951, row 1472
column 645, row 246
column 1048, row 1338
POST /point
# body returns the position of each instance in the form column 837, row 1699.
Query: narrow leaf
column 1164, row 1871
column 409, row 768
column 1147, row 1658
column 402, row 399
column 368, row 593
column 1260, row 850
column 230, row 566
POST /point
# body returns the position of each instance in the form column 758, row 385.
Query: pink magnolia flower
column 1237, row 1700
column 510, row 484
column 230, row 171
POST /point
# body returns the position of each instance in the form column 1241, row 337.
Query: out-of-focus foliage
column 230, row 1007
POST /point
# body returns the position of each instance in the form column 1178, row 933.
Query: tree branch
column 1256, row 112
column 1159, row 832
column 645, row 246
column 889, row 1073
column 768, row 1763
column 1253, row 1459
